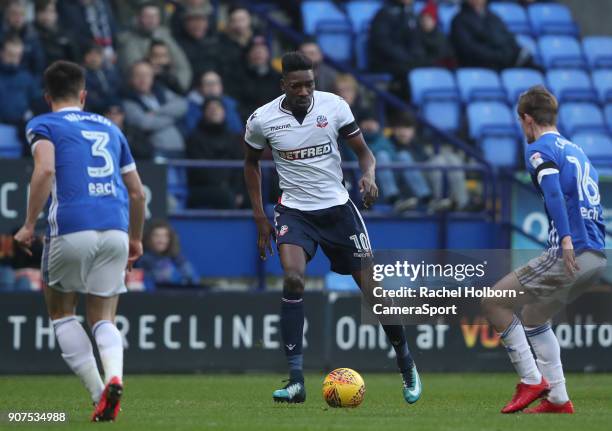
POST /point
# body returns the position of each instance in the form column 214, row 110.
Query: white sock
column 515, row 342
column 110, row 346
column 548, row 354
column 77, row 351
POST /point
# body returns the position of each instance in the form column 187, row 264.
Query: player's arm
column 137, row 197
column 367, row 163
column 40, row 189
column 252, row 178
column 548, row 177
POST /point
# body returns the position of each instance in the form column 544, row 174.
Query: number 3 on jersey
column 98, row 149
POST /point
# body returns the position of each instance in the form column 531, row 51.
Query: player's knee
column 293, row 284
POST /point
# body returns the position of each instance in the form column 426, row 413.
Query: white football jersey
column 306, row 155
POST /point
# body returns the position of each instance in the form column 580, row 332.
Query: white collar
column 69, row 108
column 551, row 132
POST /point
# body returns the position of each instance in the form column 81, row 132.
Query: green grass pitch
column 243, row 402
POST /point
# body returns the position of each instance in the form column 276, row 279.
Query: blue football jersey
column 552, row 154
column 91, row 153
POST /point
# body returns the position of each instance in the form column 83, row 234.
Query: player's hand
column 134, row 253
column 368, row 190
column 569, row 257
column 24, row 238
column 265, row 231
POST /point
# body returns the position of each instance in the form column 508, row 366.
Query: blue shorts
column 339, row 230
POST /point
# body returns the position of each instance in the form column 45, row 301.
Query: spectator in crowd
column 437, row 49
column 56, row 43
column 215, row 188
column 141, row 147
column 409, row 148
column 90, row 20
column 135, row 43
column 394, row 41
column 14, row 24
column 260, row 82
column 388, row 179
column 347, row 87
column 165, row 72
column 325, row 76
column 210, row 85
column 18, row 88
column 481, row 39
column 233, row 43
column 162, row 261
column 102, row 80
column 155, row 111
column 200, row 47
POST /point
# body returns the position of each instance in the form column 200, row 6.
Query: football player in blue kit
column 86, row 177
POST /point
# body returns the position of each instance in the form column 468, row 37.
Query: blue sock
column 397, row 337
column 292, row 331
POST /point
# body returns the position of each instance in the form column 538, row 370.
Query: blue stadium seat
column 10, row 145
column 479, row 84
column 336, row 40
column 361, row 13
column 445, row 115
column 362, row 55
column 576, row 117
column 596, row 145
column 513, row 15
column 315, row 11
column 528, row 42
column 552, row 18
column 518, row 80
column 598, row 51
column 500, row 151
column 177, row 185
column 602, row 81
column 446, row 13
column 490, row 119
column 571, row 85
column 608, row 115
column 431, row 83
column 560, row 51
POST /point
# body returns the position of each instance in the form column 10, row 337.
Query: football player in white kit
column 85, row 174
column 302, row 128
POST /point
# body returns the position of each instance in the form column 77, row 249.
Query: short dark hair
column 64, row 80
column 403, row 119
column 11, row 40
column 40, row 5
column 540, row 104
column 157, row 42
column 294, row 61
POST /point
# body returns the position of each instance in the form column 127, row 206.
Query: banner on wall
column 217, row 332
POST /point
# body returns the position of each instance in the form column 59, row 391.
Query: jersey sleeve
column 37, row 129
column 126, row 161
column 541, row 161
column 347, row 126
column 253, row 135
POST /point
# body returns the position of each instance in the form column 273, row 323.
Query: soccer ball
column 343, row 387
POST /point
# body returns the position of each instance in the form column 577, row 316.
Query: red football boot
column 547, row 407
column 108, row 407
column 526, row 394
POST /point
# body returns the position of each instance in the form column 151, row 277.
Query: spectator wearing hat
column 437, row 48
column 140, row 145
column 134, row 44
column 194, row 37
column 325, row 76
column 102, row 80
column 481, row 39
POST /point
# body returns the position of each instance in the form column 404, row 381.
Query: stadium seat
column 513, row 15
column 500, row 151
column 445, row 115
column 479, row 84
column 596, row 145
column 361, row 13
column 177, row 185
column 608, row 115
column 576, row 117
column 560, row 51
column 571, row 85
column 528, row 42
column 336, row 40
column 598, row 51
column 516, row 81
column 551, row 18
column 446, row 13
column 431, row 83
column 602, row 81
column 316, row 11
column 10, row 145
column 490, row 119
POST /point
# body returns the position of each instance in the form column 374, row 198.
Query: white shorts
column 90, row 262
column 545, row 276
